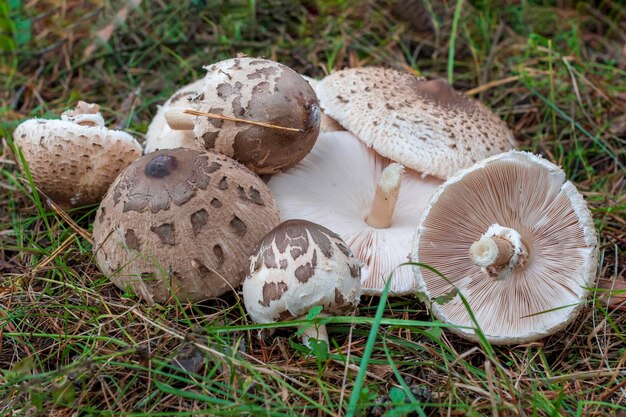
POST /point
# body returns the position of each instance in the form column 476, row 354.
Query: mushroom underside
column 541, row 294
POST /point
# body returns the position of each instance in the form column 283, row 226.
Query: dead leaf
column 612, row 292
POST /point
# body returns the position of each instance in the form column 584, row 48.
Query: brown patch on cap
column 283, row 264
column 213, row 167
column 209, row 139
column 285, row 315
column 269, row 258
column 305, row 272
column 272, row 291
column 131, row 240
column 253, row 195
column 166, row 233
column 296, row 252
column 355, row 270
column 442, row 93
column 219, row 254
column 339, row 300
column 344, row 249
column 238, row 226
column 202, row 268
column 198, row 220
column 223, row 184
column 216, row 203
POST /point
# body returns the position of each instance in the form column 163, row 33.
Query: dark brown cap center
column 161, row 166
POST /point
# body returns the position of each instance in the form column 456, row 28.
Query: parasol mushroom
column 87, row 156
column 181, row 222
column 516, row 240
column 299, row 265
column 426, row 126
column 254, row 90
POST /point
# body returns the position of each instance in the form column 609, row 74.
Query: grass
column 71, row 343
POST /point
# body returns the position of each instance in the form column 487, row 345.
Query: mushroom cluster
column 391, row 117
column 192, row 219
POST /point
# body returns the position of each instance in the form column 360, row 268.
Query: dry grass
column 73, row 344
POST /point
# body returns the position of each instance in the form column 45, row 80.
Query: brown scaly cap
column 181, row 222
column 424, row 125
column 516, row 239
column 260, row 90
column 299, row 265
column 87, row 156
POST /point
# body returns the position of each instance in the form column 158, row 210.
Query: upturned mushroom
column 426, row 126
column 160, row 135
column 74, row 160
column 181, row 223
column 371, row 203
column 255, row 90
column 297, row 266
column 514, row 238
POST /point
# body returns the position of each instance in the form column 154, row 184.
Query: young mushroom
column 426, row 126
column 516, row 240
column 371, row 203
column 257, row 90
column 160, row 135
column 86, row 155
column 297, row 266
column 181, row 223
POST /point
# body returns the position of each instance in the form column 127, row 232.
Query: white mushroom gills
column 386, row 197
column 499, row 251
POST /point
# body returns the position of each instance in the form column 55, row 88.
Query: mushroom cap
column 181, row 221
column 425, row 125
column 160, row 135
column 530, row 195
column 299, row 265
column 87, row 156
column 259, row 90
column 335, row 185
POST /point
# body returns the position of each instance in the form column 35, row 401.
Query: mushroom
column 181, row 222
column 425, row 125
column 352, row 190
column 87, row 156
column 516, row 240
column 299, row 265
column 259, row 90
column 160, row 135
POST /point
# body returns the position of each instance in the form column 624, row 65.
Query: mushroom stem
column 386, row 196
column 499, row 251
column 177, row 119
column 491, row 251
column 317, row 332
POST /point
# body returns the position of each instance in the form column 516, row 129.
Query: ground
column 71, row 343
